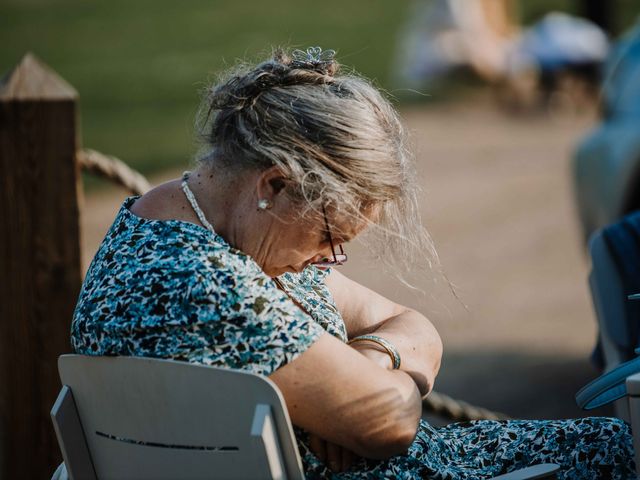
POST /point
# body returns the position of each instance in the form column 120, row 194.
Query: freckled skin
column 277, row 238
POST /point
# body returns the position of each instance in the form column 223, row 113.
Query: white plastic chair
column 133, row 417
column 143, row 418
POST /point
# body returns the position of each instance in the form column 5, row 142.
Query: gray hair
column 333, row 134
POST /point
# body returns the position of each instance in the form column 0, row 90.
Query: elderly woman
column 232, row 266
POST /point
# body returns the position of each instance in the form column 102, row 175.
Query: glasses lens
column 341, row 258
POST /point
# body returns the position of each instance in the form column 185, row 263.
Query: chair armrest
column 60, row 473
column 543, row 470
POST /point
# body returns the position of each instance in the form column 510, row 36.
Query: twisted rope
column 115, row 170
column 458, row 410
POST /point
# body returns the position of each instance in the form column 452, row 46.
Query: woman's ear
column 277, row 184
column 270, row 183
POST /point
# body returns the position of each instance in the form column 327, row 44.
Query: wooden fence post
column 40, row 269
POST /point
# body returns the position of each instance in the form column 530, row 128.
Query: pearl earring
column 264, row 204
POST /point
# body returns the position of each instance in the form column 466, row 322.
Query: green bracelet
column 391, row 350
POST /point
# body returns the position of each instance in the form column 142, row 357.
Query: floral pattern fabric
column 172, row 289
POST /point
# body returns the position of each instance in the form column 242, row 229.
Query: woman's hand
column 336, row 457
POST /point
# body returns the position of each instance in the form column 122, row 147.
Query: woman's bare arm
column 338, row 394
column 365, row 311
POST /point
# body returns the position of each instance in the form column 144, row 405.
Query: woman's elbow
column 392, row 443
column 425, row 379
column 394, row 428
column 438, row 350
column 405, row 436
column 434, row 362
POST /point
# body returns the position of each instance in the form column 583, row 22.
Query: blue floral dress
column 172, row 289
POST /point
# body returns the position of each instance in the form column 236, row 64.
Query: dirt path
column 499, row 206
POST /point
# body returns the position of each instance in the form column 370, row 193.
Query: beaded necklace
column 194, row 204
column 203, row 219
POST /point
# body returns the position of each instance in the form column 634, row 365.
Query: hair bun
column 315, row 59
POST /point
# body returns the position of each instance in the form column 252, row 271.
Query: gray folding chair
column 143, row 418
column 133, row 417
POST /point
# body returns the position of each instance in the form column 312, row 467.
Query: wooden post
column 40, row 270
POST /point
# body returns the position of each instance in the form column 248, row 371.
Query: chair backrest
column 608, row 298
column 163, row 419
column 615, row 254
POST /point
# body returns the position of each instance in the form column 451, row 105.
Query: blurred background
column 138, row 65
column 499, row 98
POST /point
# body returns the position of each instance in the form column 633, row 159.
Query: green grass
column 138, row 64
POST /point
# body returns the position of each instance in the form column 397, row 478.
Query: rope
column 120, row 173
column 113, row 169
column 458, row 410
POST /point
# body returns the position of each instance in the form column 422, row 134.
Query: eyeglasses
column 338, row 258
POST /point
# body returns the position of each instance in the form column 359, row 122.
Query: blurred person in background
column 444, row 35
column 554, row 62
column 606, row 163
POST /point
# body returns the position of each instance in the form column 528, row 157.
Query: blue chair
column 615, row 274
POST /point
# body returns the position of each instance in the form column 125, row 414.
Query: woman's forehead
column 349, row 225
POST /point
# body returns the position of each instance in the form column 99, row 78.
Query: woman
column 231, row 266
